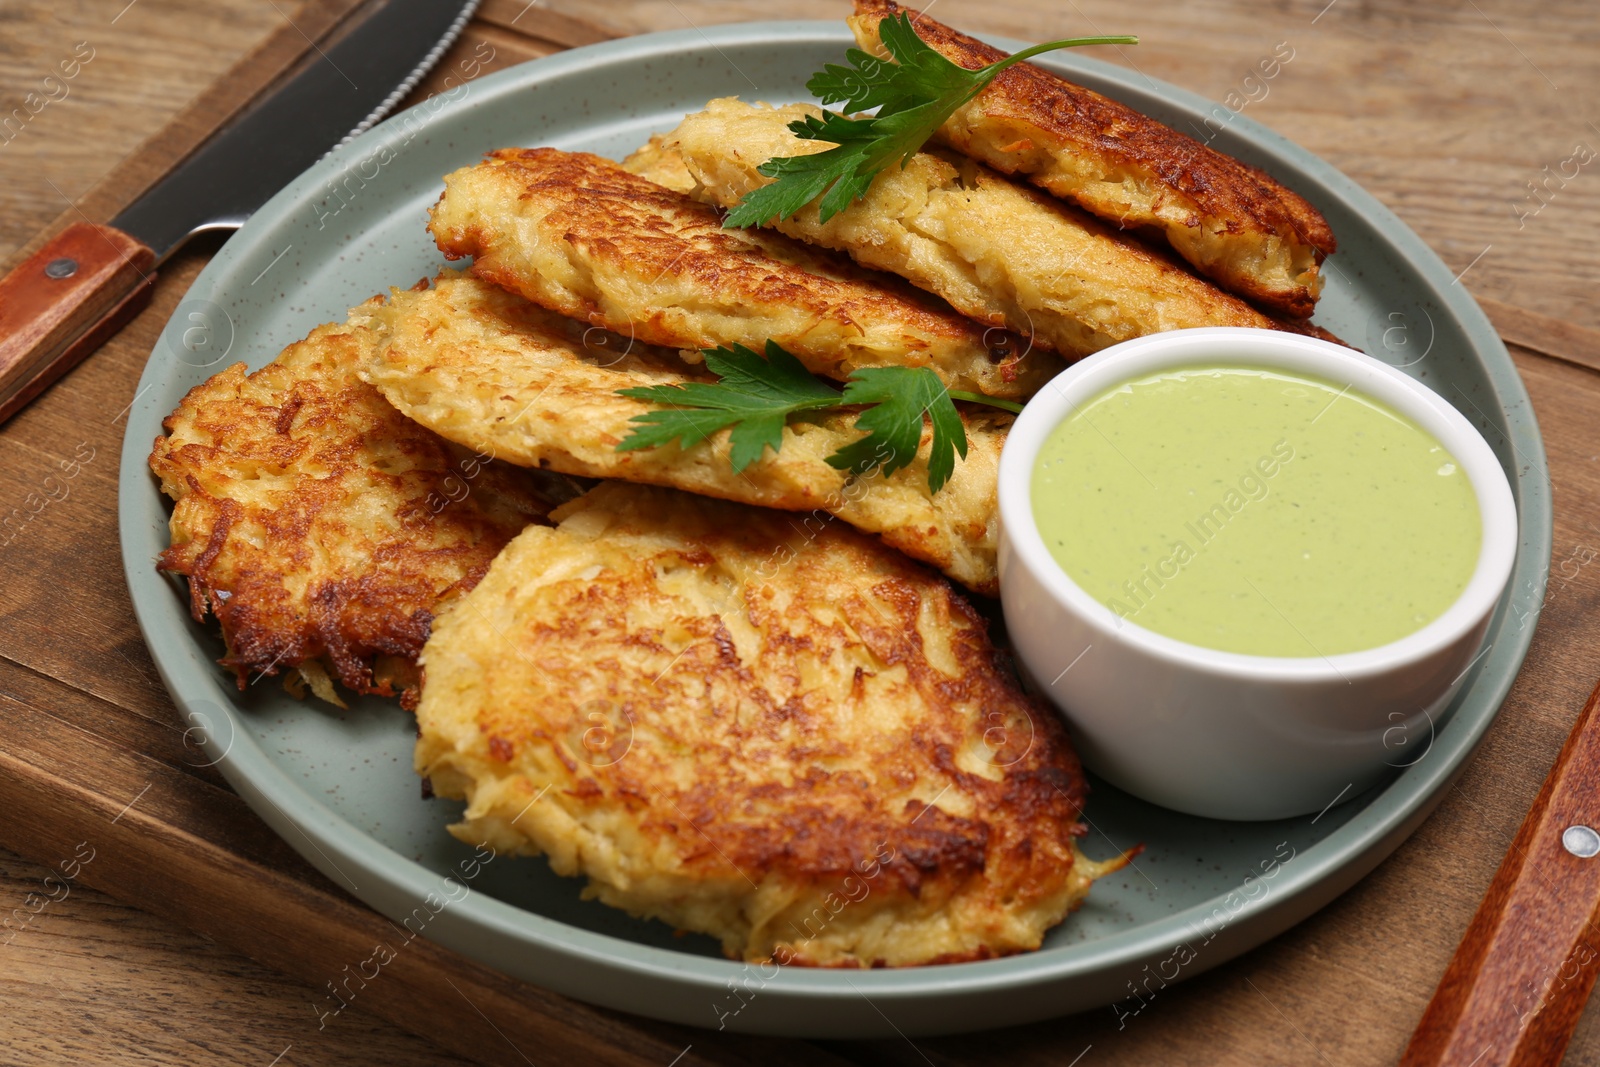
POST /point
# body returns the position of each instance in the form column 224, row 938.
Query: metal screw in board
column 61, row 268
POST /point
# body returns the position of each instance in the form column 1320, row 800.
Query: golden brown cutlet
column 1235, row 223
column 799, row 743
column 997, row 250
column 492, row 371
column 656, row 162
column 583, row 236
column 321, row 527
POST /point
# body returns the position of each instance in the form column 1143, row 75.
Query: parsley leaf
column 900, row 396
column 757, row 396
column 914, row 96
column 843, row 173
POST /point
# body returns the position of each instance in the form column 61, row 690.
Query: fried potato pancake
column 801, row 744
column 1236, row 223
column 580, row 235
column 655, row 162
column 493, row 372
column 998, row 251
column 322, row 528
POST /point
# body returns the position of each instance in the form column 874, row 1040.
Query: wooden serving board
column 94, row 761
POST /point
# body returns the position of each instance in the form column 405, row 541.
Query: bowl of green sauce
column 1243, row 562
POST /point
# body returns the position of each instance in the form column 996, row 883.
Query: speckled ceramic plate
column 340, row 789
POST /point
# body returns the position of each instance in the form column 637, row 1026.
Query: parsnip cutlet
column 491, row 371
column 320, row 526
column 996, row 250
column 801, row 744
column 655, row 162
column 1237, row 224
column 580, row 235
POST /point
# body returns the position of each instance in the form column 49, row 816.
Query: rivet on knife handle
column 1517, row 984
column 60, row 302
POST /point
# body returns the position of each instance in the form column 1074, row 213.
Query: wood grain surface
column 219, row 940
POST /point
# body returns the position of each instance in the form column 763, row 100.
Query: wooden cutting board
column 94, row 760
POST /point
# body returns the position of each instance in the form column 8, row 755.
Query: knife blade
column 65, row 300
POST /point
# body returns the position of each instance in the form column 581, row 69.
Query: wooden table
column 1446, row 111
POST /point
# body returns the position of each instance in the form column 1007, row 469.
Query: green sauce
column 1257, row 511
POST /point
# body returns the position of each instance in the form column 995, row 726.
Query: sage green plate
column 339, row 786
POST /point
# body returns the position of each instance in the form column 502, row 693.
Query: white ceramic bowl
column 1221, row 734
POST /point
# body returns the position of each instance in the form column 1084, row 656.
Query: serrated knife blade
column 335, row 96
column 65, row 300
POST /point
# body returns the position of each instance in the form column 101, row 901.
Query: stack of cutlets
column 744, row 702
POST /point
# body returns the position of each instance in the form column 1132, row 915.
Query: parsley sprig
column 757, row 397
column 914, row 96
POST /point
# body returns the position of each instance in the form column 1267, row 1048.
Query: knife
column 66, row 299
column 1517, row 984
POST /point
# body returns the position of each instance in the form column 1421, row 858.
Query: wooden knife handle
column 62, row 302
column 1518, row 982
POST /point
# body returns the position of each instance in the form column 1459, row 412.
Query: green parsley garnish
column 914, row 96
column 753, row 395
column 757, row 397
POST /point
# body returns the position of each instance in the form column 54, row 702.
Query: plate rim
column 1335, row 862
